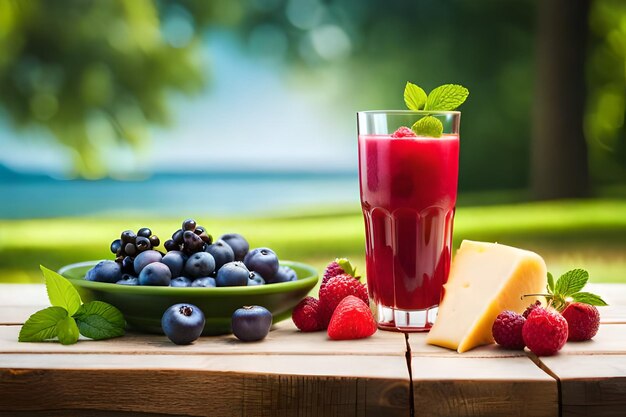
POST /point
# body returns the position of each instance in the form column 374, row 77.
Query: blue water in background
column 219, row 194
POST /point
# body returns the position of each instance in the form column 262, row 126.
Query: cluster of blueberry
column 192, row 260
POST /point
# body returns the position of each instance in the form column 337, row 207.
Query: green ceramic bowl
column 143, row 306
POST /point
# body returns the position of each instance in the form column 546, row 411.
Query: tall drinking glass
column 408, row 196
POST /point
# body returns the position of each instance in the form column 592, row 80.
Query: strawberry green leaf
column 428, row 126
column 588, row 298
column 414, row 97
column 60, row 291
column 571, row 282
column 67, row 331
column 42, row 325
column 550, row 283
column 446, row 97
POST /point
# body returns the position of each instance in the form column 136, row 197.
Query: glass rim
column 410, row 112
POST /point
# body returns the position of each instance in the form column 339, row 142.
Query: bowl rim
column 309, row 281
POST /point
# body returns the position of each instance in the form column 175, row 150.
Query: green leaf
column 99, row 320
column 588, row 298
column 42, row 325
column 571, row 282
column 428, row 126
column 414, row 96
column 550, row 283
column 446, row 97
column 67, row 331
column 60, row 291
column 346, row 266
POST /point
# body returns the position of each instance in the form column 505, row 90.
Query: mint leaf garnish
column 588, row 298
column 414, row 96
column 60, row 291
column 567, row 289
column 446, row 97
column 443, row 98
column 571, row 282
column 98, row 320
column 68, row 317
column 428, row 126
column 42, row 325
column 67, row 330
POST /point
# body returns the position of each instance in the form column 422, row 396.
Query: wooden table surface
column 305, row 374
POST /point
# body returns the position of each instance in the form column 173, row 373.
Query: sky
column 253, row 115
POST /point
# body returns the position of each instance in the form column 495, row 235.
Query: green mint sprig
column 443, row 98
column 68, row 317
column 568, row 288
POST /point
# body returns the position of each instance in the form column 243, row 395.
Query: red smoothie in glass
column 408, row 195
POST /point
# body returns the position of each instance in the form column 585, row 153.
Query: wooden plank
column 419, row 347
column 591, row 385
column 241, row 385
column 464, row 386
column 611, row 339
column 284, row 339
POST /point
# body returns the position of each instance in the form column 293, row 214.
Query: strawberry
column 337, row 267
column 545, row 331
column 352, row 319
column 306, row 315
column 583, row 321
column 336, row 289
column 507, row 330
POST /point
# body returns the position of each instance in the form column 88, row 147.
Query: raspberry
column 403, row 132
column 336, row 289
column 306, row 315
column 583, row 321
column 545, row 331
column 352, row 319
column 337, row 267
column 507, row 330
column 530, row 308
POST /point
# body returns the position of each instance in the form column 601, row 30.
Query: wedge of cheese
column 485, row 279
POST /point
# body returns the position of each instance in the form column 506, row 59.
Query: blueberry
column 128, row 279
column 199, row 264
column 251, row 323
column 189, row 224
column 204, row 282
column 127, row 265
column 175, row 260
column 170, row 245
column 264, row 261
column 284, row 274
column 130, row 249
column 105, row 271
column 116, row 246
column 155, row 241
column 238, row 243
column 142, row 243
column 128, row 236
column 178, row 236
column 155, row 273
column 180, row 282
column 144, row 232
column 145, row 258
column 232, row 274
column 222, row 253
column 193, row 242
column 255, row 279
column 183, row 323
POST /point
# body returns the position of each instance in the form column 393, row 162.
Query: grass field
column 590, row 234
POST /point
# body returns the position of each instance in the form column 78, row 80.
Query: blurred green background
column 241, row 113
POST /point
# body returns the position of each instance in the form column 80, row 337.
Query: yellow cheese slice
column 485, row 279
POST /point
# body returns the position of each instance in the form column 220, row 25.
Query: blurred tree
column 559, row 151
column 97, row 72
